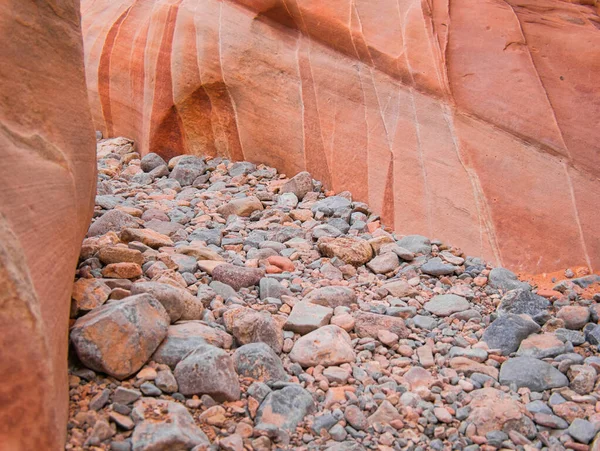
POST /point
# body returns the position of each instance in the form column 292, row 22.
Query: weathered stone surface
column 536, row 129
column 300, row 184
column 118, row 338
column 353, row 251
column 446, row 304
column 332, row 297
column 508, row 331
column 87, row 295
column 284, row 408
column 327, row 346
column 179, row 303
column 111, row 221
column 491, row 409
column 259, row 361
column 173, row 429
column 208, row 370
column 237, row 276
column 523, row 301
column 250, row 326
column 306, row 317
column 147, row 236
column 240, row 207
column 534, row 374
column 369, row 325
column 184, row 337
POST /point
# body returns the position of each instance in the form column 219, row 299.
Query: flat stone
column 173, row 429
column 468, row 367
column 523, row 301
column 118, row 254
column 384, row 263
column 112, row 221
column 436, row 267
column 416, row 243
column 385, row 414
column 118, row 338
column 582, row 430
column 508, row 331
column 330, row 205
column 87, row 295
column 306, row 317
column 446, row 304
column 351, row 250
column 332, row 297
column 327, row 346
column 542, row 346
column 534, row 374
column 208, row 370
column 506, row 280
column 400, row 289
column 241, row 207
column 149, row 237
column 425, row 322
column 259, row 362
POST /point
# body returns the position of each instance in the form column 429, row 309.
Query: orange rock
column 284, row 263
column 122, row 270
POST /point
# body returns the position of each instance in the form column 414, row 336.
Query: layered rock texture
column 47, row 180
column 473, row 121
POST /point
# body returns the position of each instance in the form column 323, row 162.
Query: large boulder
column 118, row 338
column 47, row 186
column 430, row 118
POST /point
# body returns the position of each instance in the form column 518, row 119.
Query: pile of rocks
column 219, row 305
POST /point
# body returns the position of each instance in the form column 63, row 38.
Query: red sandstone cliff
column 47, row 181
column 472, row 121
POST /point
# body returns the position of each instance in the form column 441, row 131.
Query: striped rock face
column 474, row 124
column 47, row 184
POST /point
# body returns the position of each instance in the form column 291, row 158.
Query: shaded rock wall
column 47, row 181
column 472, row 121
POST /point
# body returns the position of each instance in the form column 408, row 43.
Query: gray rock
column 534, row 374
column 508, row 331
column 149, row 389
column 134, row 326
column 416, row 243
column 222, row 289
column 187, row 169
column 425, row 322
column 523, row 301
column 271, row 288
column 175, row 429
column 259, row 361
column 330, row 205
column 592, row 334
column 250, row 326
column 332, row 297
column 326, row 421
column 183, row 338
column 446, row 304
column 166, row 381
column 582, row 430
column 572, row 336
column 586, row 281
column 325, row 230
column 151, row 161
column 112, row 221
column 125, row 396
column 306, row 317
column 237, row 277
column 241, row 168
column 284, row 409
column 538, row 407
column 503, row 279
column 436, row 267
column 173, row 299
column 208, row 370
column 346, row 446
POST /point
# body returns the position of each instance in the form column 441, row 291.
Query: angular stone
column 531, row 373
column 523, row 301
column 237, row 277
column 508, row 331
column 259, row 362
column 149, row 237
column 271, row 288
column 208, row 370
column 327, row 346
column 244, row 206
column 506, row 280
column 187, row 169
column 300, row 184
column 468, row 367
column 542, row 346
column 446, row 304
column 491, row 409
column 122, row 271
column 183, row 338
column 250, row 326
column 583, row 378
column 88, row 294
column 173, row 429
column 332, row 297
column 118, row 338
column 400, row 289
column 582, row 430
column 117, row 254
column 284, row 409
column 306, row 317
column 385, row 414
column 351, row 250
column 369, row 325
column 330, row 205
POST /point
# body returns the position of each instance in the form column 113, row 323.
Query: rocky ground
column 219, row 305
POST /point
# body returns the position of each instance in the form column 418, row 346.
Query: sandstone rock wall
column 47, row 180
column 472, row 121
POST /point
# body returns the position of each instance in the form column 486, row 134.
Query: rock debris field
column 220, row 305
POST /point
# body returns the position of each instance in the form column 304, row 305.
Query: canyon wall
column 47, row 184
column 471, row 121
